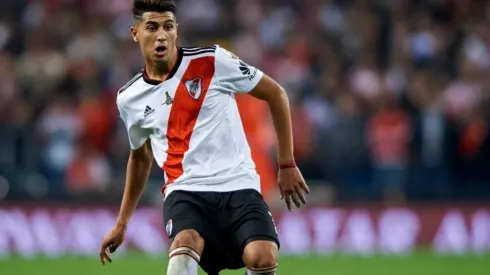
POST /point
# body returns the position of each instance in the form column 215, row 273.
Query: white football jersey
column 193, row 122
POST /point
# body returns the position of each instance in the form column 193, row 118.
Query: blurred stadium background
column 390, row 102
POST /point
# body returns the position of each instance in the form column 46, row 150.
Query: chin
column 162, row 59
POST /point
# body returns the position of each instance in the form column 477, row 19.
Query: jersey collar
column 172, row 73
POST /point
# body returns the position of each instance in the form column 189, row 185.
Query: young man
column 181, row 109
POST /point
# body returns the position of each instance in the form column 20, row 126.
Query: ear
column 134, row 34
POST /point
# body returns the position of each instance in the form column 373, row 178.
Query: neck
column 160, row 70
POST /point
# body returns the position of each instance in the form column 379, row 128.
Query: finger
column 287, row 198
column 304, row 187
column 102, row 253
column 301, row 196
column 295, row 198
column 105, row 257
column 102, row 258
column 108, row 255
column 282, row 192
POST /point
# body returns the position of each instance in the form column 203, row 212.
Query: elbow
column 282, row 93
column 277, row 95
column 270, row 91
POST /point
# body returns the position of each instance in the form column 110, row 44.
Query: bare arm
column 291, row 182
column 138, row 170
column 137, row 173
column 275, row 96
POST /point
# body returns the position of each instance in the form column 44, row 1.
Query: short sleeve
column 137, row 136
column 234, row 75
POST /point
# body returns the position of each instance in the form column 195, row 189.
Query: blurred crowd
column 390, row 98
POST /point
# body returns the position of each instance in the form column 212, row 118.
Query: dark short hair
column 142, row 6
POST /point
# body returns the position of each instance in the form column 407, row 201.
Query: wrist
column 121, row 225
column 287, row 164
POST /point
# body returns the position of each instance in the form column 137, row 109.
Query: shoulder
column 221, row 56
column 225, row 57
column 127, row 93
column 215, row 54
column 130, row 83
column 199, row 51
column 214, row 50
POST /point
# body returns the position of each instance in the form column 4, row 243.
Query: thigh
column 251, row 219
column 185, row 210
column 198, row 211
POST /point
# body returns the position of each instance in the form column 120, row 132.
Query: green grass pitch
column 422, row 263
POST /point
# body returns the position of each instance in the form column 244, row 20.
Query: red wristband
column 287, row 165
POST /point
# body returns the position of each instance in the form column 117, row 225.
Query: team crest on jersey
column 194, row 87
column 169, row 227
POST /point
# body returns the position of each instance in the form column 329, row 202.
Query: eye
column 151, row 28
column 169, row 27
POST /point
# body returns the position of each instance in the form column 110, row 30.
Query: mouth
column 160, row 50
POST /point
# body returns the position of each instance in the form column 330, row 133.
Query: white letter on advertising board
column 452, row 236
column 398, row 230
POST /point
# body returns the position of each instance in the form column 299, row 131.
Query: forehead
column 157, row 16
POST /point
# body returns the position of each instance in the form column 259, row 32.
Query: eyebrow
column 151, row 21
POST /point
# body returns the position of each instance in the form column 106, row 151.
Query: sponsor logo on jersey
column 149, row 111
column 245, row 69
column 194, row 87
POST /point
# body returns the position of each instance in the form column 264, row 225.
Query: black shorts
column 227, row 221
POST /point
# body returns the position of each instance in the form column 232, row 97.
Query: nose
column 161, row 35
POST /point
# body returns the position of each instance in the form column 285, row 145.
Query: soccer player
column 181, row 111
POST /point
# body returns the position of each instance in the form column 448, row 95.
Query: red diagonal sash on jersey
column 183, row 116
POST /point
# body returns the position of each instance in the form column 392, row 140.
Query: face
column 157, row 35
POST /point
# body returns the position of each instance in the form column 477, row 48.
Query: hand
column 111, row 241
column 291, row 185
